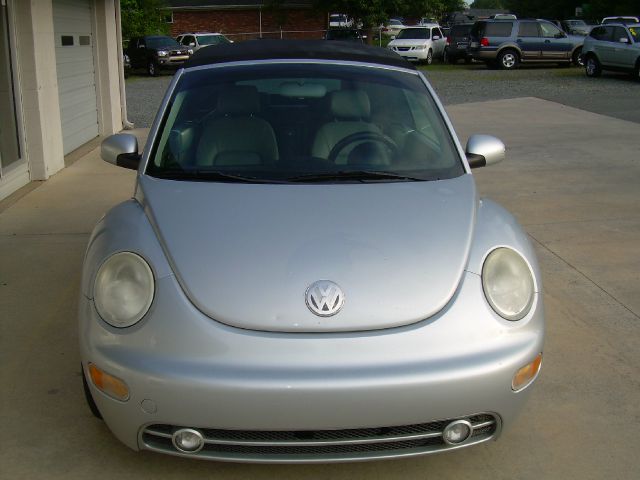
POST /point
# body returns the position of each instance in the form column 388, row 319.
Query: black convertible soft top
column 295, row 50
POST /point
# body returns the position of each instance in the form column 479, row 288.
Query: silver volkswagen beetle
column 305, row 272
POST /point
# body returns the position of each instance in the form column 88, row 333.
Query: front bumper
column 183, row 369
column 412, row 54
column 172, row 62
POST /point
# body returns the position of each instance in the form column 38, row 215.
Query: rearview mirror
column 192, row 44
column 624, row 40
column 393, row 37
column 483, row 150
column 121, row 150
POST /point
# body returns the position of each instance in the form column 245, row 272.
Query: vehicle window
column 274, row 123
column 188, row 39
column 498, row 29
column 635, row 33
column 549, row 30
column 618, row 33
column 438, row 32
column 600, row 33
column 212, row 39
column 161, row 42
column 528, row 29
column 460, row 30
column 415, row 34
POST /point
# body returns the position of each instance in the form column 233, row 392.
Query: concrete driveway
column 571, row 177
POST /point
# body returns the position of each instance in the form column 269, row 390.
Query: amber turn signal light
column 108, row 384
column 526, row 374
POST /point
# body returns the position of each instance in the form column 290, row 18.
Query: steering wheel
column 361, row 137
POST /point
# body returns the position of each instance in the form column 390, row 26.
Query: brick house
column 247, row 19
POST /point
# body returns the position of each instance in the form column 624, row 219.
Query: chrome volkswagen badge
column 324, row 298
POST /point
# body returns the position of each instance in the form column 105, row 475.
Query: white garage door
column 76, row 72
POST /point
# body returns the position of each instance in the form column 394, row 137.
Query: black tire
column 90, row 402
column 446, row 58
column 508, row 59
column 429, row 59
column 468, row 60
column 152, row 69
column 577, row 59
column 592, row 67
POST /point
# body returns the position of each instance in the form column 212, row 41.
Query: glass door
column 10, row 151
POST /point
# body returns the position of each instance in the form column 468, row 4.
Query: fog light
column 457, row 432
column 188, row 440
column 526, row 374
column 108, row 384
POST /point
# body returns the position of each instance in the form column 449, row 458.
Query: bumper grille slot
column 319, row 445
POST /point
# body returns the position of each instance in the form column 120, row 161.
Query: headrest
column 239, row 100
column 350, row 104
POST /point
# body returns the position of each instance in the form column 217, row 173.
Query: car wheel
column 592, row 67
column 90, row 402
column 429, row 59
column 577, row 59
column 152, row 69
column 508, row 60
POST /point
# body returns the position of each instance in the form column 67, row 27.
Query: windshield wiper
column 209, row 176
column 354, row 175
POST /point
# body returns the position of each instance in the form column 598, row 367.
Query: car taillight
column 484, row 42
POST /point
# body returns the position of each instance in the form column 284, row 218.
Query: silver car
column 614, row 47
column 305, row 272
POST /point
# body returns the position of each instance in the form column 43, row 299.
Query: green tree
column 489, row 4
column 143, row 17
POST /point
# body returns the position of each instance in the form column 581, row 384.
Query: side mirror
column 393, row 37
column 436, row 37
column 624, row 40
column 121, row 150
column 483, row 150
column 192, row 44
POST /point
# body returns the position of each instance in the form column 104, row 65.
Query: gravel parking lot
column 615, row 95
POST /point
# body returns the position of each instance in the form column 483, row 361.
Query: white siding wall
column 72, row 20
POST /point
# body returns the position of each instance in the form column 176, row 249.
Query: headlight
column 123, row 290
column 162, row 53
column 507, row 282
column 420, row 47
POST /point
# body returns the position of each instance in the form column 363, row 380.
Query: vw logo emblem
column 324, row 298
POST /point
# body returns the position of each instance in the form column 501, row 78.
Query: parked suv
column 420, row 44
column 506, row 43
column 196, row 41
column 156, row 52
column 613, row 47
column 458, row 43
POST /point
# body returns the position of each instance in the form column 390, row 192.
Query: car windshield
column 576, row 23
column 212, row 39
column 414, row 34
column 316, row 122
column 635, row 33
column 162, row 42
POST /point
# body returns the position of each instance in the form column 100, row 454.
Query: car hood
column 245, row 254
column 408, row 42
